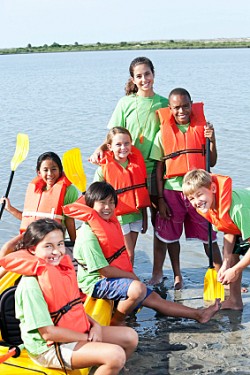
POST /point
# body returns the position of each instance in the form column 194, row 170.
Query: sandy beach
column 181, row 346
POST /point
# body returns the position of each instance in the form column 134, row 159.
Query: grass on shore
column 161, row 44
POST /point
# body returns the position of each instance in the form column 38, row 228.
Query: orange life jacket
column 183, row 151
column 129, row 183
column 59, row 287
column 40, row 203
column 108, row 233
column 223, row 197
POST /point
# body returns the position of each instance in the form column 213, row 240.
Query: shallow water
column 65, row 100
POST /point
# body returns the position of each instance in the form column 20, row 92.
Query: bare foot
column 244, row 290
column 178, row 283
column 231, row 304
column 156, row 279
column 207, row 313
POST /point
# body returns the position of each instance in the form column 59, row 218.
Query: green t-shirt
column 87, row 250
column 240, row 211
column 71, row 195
column 124, row 219
column 32, row 310
column 138, row 115
column 157, row 152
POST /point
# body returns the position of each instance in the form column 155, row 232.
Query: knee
column 137, row 290
column 118, row 358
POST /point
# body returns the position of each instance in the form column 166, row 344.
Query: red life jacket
column 40, row 203
column 58, row 284
column 108, row 233
column 183, row 151
column 129, row 183
column 223, row 197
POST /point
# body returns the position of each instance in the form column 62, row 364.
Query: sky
column 39, row 22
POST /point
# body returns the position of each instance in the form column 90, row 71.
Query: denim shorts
column 183, row 215
column 115, row 289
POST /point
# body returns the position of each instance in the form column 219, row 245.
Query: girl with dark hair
column 55, row 339
column 46, row 194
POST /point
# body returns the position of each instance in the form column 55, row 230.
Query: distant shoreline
column 142, row 45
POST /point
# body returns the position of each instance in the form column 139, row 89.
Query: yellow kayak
column 100, row 310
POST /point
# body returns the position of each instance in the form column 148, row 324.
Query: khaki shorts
column 49, row 358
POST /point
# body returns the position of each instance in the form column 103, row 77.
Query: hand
column 229, row 276
column 164, row 210
column 209, row 132
column 7, row 206
column 225, row 266
column 95, row 333
column 96, row 156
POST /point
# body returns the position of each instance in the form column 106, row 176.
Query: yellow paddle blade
column 73, row 168
column 99, row 309
column 22, row 149
column 212, row 287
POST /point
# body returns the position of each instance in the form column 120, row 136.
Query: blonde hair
column 196, row 179
column 116, row 130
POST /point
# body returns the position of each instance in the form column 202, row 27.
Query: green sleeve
column 240, row 211
column 98, row 176
column 157, row 151
column 118, row 116
column 71, row 195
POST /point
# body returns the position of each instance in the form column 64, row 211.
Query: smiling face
column 203, row 199
column 120, row 146
column 51, row 248
column 105, row 208
column 49, row 172
column 181, row 107
column 143, row 78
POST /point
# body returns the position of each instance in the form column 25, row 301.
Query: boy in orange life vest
column 51, row 285
column 104, row 267
column 229, row 211
column 124, row 168
column 183, row 128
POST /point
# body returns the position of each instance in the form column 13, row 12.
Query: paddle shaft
column 7, row 192
column 210, row 242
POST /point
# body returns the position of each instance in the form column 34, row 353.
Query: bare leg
column 160, row 249
column 216, row 255
column 174, row 255
column 136, row 293
column 169, row 308
column 130, row 242
column 117, row 345
column 234, row 302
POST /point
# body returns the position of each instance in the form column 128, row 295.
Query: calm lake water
column 65, row 100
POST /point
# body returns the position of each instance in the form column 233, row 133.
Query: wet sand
column 180, row 346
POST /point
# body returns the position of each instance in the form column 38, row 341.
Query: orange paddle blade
column 212, row 287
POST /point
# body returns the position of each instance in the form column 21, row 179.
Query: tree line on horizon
column 161, row 44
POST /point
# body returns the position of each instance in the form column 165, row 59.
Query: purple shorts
column 183, row 214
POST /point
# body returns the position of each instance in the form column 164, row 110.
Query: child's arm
column 11, row 209
column 144, row 221
column 98, row 153
column 110, row 271
column 164, row 210
column 231, row 274
column 10, row 245
column 59, row 334
column 71, row 228
column 209, row 133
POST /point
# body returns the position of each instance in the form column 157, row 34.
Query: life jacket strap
column 116, row 254
column 50, row 215
column 56, row 315
column 187, row 151
column 133, row 187
column 109, row 259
